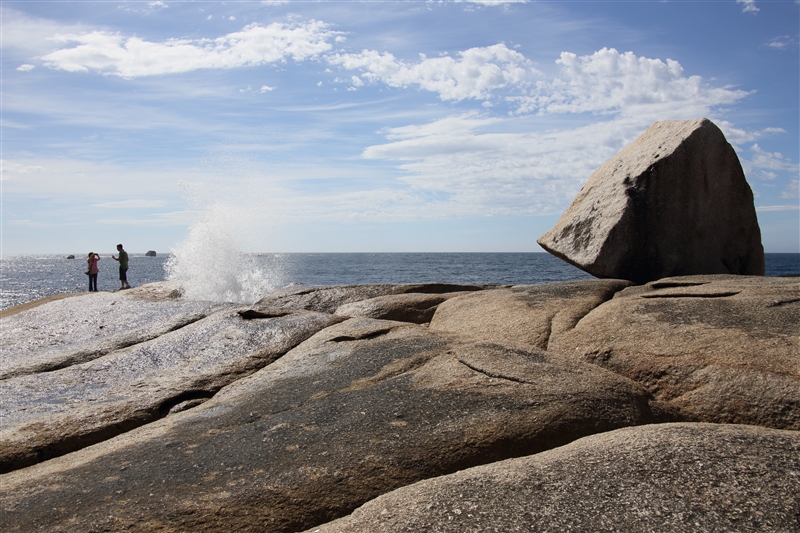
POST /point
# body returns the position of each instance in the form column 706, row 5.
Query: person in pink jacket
column 92, row 270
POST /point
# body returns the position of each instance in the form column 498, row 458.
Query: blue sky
column 369, row 126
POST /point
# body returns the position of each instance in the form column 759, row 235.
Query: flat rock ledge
column 590, row 405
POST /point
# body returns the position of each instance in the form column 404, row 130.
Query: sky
column 348, row 126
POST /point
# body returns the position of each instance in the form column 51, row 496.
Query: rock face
column 526, row 316
column 140, row 411
column 127, row 388
column 361, row 408
column 676, row 477
column 414, row 308
column 675, row 202
column 722, row 348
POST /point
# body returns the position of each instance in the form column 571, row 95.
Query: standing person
column 92, row 270
column 123, row 267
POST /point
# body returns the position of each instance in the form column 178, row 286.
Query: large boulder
column 360, row 409
column 672, row 477
column 674, row 202
column 724, row 349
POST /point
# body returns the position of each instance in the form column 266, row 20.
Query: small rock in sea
column 70, row 257
column 150, row 253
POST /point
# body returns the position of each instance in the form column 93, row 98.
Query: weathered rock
column 52, row 413
column 328, row 299
column 524, row 316
column 150, row 253
column 413, row 307
column 673, row 477
column 674, row 202
column 723, row 348
column 361, row 408
column 77, row 329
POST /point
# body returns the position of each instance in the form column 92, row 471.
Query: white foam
column 210, row 265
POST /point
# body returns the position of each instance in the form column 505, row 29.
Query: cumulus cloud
column 748, row 6
column 609, row 81
column 131, row 57
column 474, row 74
column 25, row 68
column 478, row 163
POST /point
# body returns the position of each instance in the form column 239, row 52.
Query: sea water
column 232, row 276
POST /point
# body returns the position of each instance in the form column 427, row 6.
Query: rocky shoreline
column 598, row 405
column 170, row 415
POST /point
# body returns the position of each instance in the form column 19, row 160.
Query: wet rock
column 674, row 202
column 723, row 348
column 674, row 477
column 413, row 307
column 81, row 328
column 361, row 408
column 328, row 299
column 52, row 413
column 525, row 316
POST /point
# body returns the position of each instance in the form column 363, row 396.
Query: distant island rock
column 70, row 257
column 150, row 253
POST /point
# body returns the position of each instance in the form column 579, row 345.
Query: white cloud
column 770, row 160
column 777, row 208
column 463, row 169
column 474, row 74
column 792, row 190
column 782, row 43
column 25, row 68
column 475, row 163
column 131, row 57
column 608, row 81
column 748, row 6
column 266, row 89
column 157, row 5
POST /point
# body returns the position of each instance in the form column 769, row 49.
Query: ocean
column 247, row 277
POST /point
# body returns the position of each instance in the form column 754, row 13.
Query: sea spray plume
column 210, row 264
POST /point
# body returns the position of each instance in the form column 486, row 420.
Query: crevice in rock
column 674, row 284
column 251, row 314
column 184, row 401
column 493, row 375
column 723, row 294
column 606, row 297
column 363, row 336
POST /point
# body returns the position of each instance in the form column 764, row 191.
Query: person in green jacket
column 123, row 267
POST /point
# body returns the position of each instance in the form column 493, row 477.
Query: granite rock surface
column 672, row 477
column 293, row 412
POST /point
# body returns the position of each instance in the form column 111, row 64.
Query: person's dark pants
column 92, row 282
column 123, row 274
